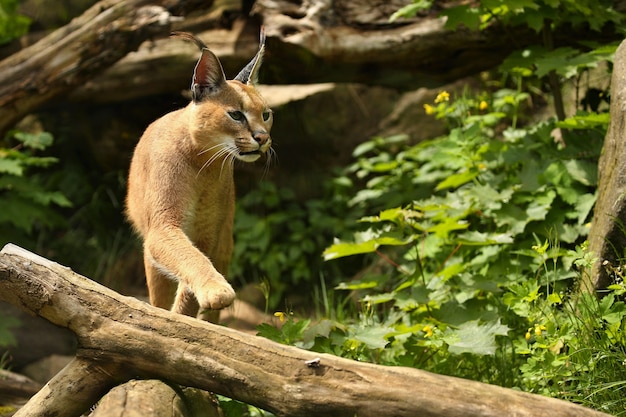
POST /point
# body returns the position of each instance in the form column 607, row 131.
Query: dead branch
column 120, row 338
column 74, row 53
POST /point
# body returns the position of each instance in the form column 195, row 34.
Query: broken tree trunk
column 120, row 338
column 607, row 237
column 63, row 60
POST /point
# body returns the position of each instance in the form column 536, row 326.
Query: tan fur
column 181, row 194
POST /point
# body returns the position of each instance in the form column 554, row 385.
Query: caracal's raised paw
column 215, row 295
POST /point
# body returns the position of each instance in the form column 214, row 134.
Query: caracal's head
column 229, row 118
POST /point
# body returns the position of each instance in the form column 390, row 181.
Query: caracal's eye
column 237, row 115
column 266, row 115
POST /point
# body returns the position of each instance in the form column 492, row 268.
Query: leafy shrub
column 486, row 214
column 12, row 24
column 278, row 239
column 27, row 202
column 479, row 255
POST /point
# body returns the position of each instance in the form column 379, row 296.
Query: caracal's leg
column 161, row 288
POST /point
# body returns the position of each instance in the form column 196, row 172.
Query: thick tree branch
column 73, row 390
column 116, row 332
column 63, row 60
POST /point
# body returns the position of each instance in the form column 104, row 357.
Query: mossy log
column 121, row 338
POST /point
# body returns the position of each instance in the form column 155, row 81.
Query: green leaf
column 384, row 166
column 11, row 166
column 293, row 330
column 472, row 337
column 540, row 206
column 456, row 180
column 513, row 217
column 372, row 336
column 584, row 172
column 379, row 298
column 12, row 24
column 363, row 148
column 554, row 298
column 557, row 59
column 368, row 245
column 269, row 332
column 358, row 285
column 522, row 60
column 39, row 140
column 23, row 214
column 465, row 15
column 46, row 198
column 411, row 10
column 584, row 205
column 448, row 225
column 585, row 121
column 479, row 238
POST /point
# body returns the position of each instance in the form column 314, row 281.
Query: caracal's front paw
column 215, row 295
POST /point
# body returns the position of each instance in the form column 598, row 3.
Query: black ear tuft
column 189, row 37
column 250, row 73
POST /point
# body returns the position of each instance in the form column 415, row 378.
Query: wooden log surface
column 121, row 338
column 15, row 388
column 154, row 398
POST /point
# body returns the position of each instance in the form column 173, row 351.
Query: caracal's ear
column 250, row 73
column 208, row 76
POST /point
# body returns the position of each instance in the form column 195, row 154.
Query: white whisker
column 211, row 148
column 232, row 151
column 225, row 150
column 271, row 153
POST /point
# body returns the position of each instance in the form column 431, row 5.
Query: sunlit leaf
column 372, row 336
column 464, row 15
column 11, row 166
column 472, row 337
column 39, row 140
column 540, row 206
column 339, row 250
column 585, row 172
column 585, row 121
column 479, row 238
column 379, row 298
column 457, row 180
column 411, row 10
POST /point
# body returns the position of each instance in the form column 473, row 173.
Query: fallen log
column 121, row 338
column 69, row 56
column 15, row 388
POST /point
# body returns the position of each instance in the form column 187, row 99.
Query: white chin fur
column 249, row 157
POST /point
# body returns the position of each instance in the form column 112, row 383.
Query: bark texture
column 607, row 238
column 122, row 338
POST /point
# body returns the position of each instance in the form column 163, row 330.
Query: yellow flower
column 280, row 315
column 442, row 96
column 430, row 110
column 527, row 336
column 539, row 329
column 428, row 331
column 483, row 105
